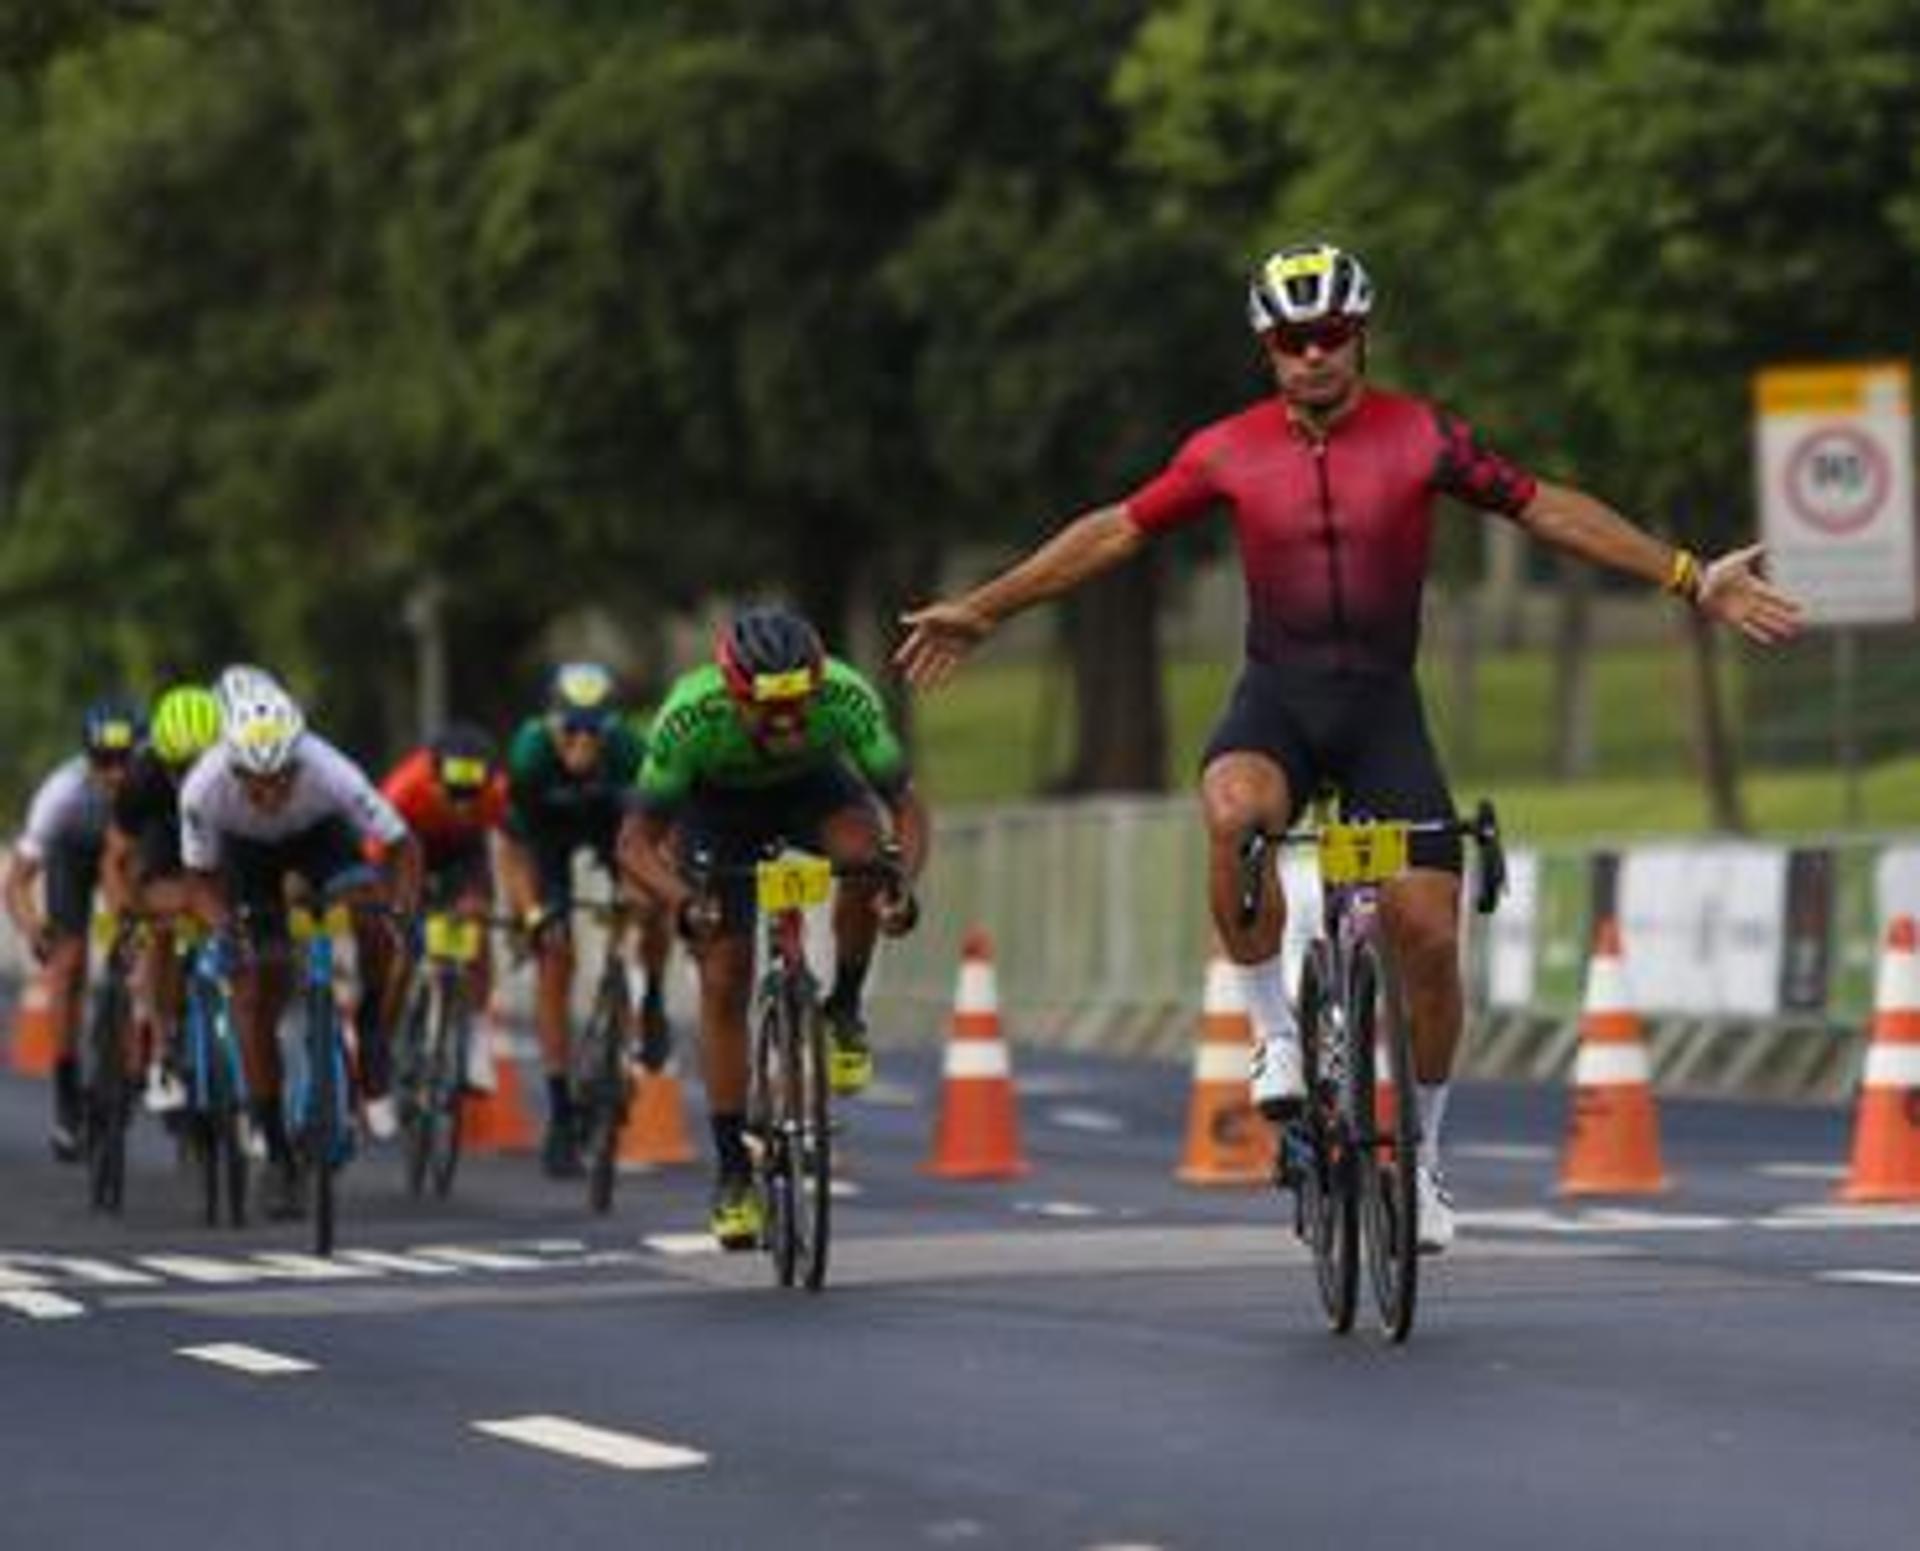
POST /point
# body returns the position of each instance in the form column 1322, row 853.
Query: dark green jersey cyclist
column 774, row 740
column 570, row 775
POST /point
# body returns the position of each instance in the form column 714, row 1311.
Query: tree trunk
column 1120, row 720
column 1714, row 752
column 1573, row 673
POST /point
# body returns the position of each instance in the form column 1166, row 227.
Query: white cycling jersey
column 214, row 806
column 67, row 808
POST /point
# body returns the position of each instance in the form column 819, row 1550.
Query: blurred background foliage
column 311, row 310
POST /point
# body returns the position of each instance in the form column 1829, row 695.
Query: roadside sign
column 1835, row 463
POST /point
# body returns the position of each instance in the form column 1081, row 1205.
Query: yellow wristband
column 1683, row 577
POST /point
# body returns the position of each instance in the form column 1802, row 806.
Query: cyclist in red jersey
column 453, row 794
column 1331, row 484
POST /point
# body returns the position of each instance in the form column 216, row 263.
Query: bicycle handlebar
column 1483, row 829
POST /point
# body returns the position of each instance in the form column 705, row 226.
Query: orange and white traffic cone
column 497, row 1121
column 35, row 1044
column 1227, row 1141
column 1613, row 1133
column 978, row 1132
column 655, row 1131
column 1886, row 1131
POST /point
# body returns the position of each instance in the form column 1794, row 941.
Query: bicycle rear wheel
column 412, row 1083
column 105, row 1084
column 448, row 1077
column 1390, row 1201
column 1329, row 1215
column 768, row 1111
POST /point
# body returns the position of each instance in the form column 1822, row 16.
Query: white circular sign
column 1838, row 479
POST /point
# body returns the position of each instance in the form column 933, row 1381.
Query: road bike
column 1349, row 1154
column 789, row 1119
column 213, row 1075
column 432, row 1046
column 599, row 1061
column 107, row 1056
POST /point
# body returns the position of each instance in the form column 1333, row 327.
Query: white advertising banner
column 1896, row 886
column 1835, row 465
column 1702, row 927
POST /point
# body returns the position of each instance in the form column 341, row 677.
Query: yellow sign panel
column 793, row 882
column 453, row 937
column 1828, row 390
column 1362, row 853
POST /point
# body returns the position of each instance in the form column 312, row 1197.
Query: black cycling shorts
column 326, row 856
column 459, row 873
column 71, row 869
column 733, row 826
column 1364, row 734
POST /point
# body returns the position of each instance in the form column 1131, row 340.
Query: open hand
column 939, row 636
column 1733, row 591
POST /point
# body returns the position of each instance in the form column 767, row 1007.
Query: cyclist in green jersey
column 570, row 773
column 773, row 740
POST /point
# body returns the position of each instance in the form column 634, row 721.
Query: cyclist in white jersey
column 49, row 888
column 273, row 799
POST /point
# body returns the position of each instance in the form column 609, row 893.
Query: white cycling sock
column 1433, row 1109
column 1265, row 989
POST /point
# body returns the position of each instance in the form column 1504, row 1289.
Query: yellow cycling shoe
column 849, row 1059
column 737, row 1221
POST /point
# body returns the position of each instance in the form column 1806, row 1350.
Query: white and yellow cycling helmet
column 1308, row 283
column 260, row 722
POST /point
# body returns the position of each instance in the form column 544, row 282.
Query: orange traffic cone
column 1613, row 1134
column 34, row 1042
column 656, row 1128
column 978, row 1134
column 1227, row 1141
column 1886, row 1132
column 497, row 1121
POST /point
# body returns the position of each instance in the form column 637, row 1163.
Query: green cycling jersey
column 699, row 739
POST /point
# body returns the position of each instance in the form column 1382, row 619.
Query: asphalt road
column 1091, row 1356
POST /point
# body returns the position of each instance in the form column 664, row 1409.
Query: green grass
column 998, row 730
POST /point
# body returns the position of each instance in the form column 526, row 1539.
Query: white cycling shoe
column 383, row 1118
column 1276, row 1076
column 1436, row 1209
column 163, row 1094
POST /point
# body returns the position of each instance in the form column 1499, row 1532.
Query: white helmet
column 1305, row 283
column 261, row 722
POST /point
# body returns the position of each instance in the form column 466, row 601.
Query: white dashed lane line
column 600, row 1445
column 1871, row 1278
column 41, row 1305
column 256, row 1361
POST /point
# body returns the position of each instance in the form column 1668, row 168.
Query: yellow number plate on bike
column 793, row 882
column 305, row 923
column 1362, row 853
column 453, row 937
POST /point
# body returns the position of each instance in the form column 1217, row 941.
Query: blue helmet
column 111, row 729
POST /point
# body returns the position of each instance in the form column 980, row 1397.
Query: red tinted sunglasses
column 1329, row 334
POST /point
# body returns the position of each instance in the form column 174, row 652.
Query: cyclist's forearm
column 21, row 876
column 1585, row 526
column 645, row 862
column 206, row 900
column 912, row 832
column 406, row 873
column 1084, row 548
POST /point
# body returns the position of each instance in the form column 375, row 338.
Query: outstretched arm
column 1729, row 589
column 941, row 634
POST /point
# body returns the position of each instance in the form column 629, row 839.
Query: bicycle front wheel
column 448, row 1078
column 1329, row 1211
column 322, row 1118
column 1390, row 1200
column 812, row 1152
column 105, row 1083
column 600, row 1086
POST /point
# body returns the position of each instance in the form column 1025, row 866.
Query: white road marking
column 843, row 1189
column 256, row 1360
column 473, row 1259
column 1871, row 1278
column 1503, row 1152
column 883, row 1094
column 681, row 1243
column 1066, row 1209
column 204, row 1269
column 83, row 1268
column 1079, row 1117
column 1820, row 1171
column 601, row 1445
column 1838, row 1215
column 11, row 1276
column 41, row 1305
column 405, row 1265
column 1529, row 1219
column 281, row 1264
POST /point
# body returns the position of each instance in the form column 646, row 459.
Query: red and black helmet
column 770, row 654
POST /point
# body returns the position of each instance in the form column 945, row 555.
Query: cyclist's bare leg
column 1421, row 913
column 381, row 958
column 852, row 837
column 1240, row 791
column 260, row 987
column 656, row 941
column 726, row 979
column 66, row 976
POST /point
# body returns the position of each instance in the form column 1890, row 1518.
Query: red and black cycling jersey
column 1335, row 531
